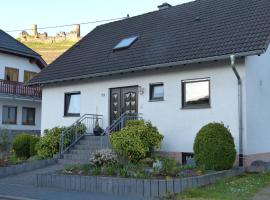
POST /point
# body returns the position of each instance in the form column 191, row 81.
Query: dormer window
column 125, row 43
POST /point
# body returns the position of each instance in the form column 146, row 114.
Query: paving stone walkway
column 21, row 187
column 263, row 194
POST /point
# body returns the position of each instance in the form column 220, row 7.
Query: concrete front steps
column 80, row 152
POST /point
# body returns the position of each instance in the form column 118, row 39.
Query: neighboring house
column 20, row 105
column 174, row 66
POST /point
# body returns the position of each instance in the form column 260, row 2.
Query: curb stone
column 129, row 186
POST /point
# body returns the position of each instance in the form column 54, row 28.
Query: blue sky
column 17, row 14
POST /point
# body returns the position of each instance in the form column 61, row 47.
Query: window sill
column 195, row 107
column 24, row 124
column 156, row 100
column 72, row 115
column 7, row 123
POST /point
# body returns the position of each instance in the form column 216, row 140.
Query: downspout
column 240, row 110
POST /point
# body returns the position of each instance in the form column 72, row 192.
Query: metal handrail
column 85, row 124
column 120, row 123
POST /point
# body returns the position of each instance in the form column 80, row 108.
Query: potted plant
column 97, row 129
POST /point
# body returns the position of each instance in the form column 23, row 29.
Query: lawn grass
column 242, row 187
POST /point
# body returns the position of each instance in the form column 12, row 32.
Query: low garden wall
column 25, row 167
column 129, row 186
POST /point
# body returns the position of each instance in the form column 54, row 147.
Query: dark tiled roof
column 10, row 45
column 194, row 31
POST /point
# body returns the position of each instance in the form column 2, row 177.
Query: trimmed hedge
column 49, row 143
column 21, row 145
column 214, row 147
column 33, row 141
column 136, row 141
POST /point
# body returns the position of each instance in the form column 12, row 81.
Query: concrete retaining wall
column 25, row 167
column 128, row 186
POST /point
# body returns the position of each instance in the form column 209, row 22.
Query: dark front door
column 123, row 100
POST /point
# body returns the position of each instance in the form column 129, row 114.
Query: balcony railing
column 19, row 89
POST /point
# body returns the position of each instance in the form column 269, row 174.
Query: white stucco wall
column 23, row 64
column 20, row 104
column 12, row 61
column 258, row 107
column 177, row 125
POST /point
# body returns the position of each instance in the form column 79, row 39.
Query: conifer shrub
column 214, row 147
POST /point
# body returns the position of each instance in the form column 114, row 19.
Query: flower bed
column 139, row 171
column 130, row 186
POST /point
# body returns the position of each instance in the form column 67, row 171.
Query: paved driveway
column 21, row 187
column 263, row 194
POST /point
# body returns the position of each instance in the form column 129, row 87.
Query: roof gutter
column 240, row 110
column 156, row 66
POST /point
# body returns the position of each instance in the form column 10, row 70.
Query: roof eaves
column 42, row 63
column 163, row 65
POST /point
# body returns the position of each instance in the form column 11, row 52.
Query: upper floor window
column 28, row 116
column 156, row 92
column 9, row 115
column 196, row 93
column 28, row 76
column 72, row 104
column 11, row 74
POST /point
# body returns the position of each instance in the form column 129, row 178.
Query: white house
column 175, row 67
column 20, row 105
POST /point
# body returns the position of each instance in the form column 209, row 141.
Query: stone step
column 82, row 151
column 95, row 138
column 77, row 156
column 72, row 162
column 86, row 147
column 93, row 142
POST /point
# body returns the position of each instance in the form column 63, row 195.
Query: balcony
column 19, row 89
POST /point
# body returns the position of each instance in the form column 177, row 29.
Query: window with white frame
column 72, row 104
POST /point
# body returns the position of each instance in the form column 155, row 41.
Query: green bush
column 21, row 145
column 136, row 141
column 71, row 131
column 214, row 147
column 49, row 143
column 4, row 140
column 168, row 166
column 33, row 141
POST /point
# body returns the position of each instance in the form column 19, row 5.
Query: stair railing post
column 61, row 144
column 122, row 123
column 76, row 133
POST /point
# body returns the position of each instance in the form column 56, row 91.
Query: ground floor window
column 72, row 104
column 9, row 115
column 196, row 93
column 156, row 92
column 28, row 116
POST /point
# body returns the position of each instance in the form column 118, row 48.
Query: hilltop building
column 35, row 36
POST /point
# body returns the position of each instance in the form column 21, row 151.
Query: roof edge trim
column 170, row 64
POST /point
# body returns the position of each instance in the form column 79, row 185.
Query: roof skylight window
column 125, row 43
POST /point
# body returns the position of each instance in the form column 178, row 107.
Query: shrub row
column 49, row 143
column 136, row 141
column 24, row 145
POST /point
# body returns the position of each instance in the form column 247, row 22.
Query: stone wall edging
column 130, row 186
column 25, row 167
